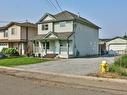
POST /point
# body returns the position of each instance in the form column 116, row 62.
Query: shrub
column 122, row 61
column 10, row 51
column 117, row 69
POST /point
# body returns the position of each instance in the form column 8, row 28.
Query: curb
column 65, row 75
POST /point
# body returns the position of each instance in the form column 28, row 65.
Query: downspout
column 74, row 47
column 27, row 38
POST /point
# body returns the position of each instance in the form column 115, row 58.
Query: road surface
column 10, row 85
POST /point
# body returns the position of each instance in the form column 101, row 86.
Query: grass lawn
column 10, row 62
column 120, row 66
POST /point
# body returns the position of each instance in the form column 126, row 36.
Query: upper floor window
column 13, row 31
column 44, row 26
column 62, row 24
column 5, row 34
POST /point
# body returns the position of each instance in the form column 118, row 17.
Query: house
column 17, row 35
column 66, row 35
column 117, row 44
column 102, row 46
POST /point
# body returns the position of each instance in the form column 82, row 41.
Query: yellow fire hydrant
column 104, row 67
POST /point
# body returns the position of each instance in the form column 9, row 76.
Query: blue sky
column 111, row 15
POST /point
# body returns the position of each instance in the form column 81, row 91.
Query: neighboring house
column 117, row 44
column 17, row 35
column 102, row 46
column 66, row 35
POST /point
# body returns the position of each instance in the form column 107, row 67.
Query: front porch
column 60, row 48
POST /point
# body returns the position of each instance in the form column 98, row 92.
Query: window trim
column 5, row 34
column 62, row 24
column 13, row 31
column 45, row 27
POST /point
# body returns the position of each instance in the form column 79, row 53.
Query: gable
column 118, row 40
column 51, row 36
column 47, row 18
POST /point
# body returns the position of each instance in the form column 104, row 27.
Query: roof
column 104, row 40
column 25, row 24
column 6, row 40
column 109, row 39
column 66, row 15
column 60, row 35
column 2, row 28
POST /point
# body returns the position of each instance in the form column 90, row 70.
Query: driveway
column 76, row 66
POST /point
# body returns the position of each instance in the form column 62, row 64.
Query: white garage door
column 3, row 45
column 117, row 47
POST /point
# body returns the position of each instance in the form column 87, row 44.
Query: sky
column 110, row 15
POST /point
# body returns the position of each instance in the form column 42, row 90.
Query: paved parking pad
column 76, row 66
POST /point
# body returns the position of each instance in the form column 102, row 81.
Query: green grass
column 117, row 69
column 120, row 66
column 10, row 62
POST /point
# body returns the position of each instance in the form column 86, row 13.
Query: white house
column 117, row 44
column 66, row 35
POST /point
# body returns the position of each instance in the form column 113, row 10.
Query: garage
column 3, row 45
column 118, row 45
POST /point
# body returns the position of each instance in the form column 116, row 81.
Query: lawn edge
column 63, row 75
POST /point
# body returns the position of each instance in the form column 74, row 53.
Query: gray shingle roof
column 66, row 15
column 2, row 28
column 60, row 35
column 25, row 24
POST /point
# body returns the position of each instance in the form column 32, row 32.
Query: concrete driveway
column 76, row 66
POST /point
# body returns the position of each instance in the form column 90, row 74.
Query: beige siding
column 2, row 35
column 68, row 27
column 50, row 28
column 31, row 32
column 17, row 35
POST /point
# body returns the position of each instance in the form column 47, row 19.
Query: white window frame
column 45, row 26
column 63, row 24
column 13, row 31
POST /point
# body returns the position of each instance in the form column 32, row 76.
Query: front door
column 63, row 47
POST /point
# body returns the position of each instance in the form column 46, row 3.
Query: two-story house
column 18, row 35
column 66, row 35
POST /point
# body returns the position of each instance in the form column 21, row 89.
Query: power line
column 59, row 5
column 52, row 4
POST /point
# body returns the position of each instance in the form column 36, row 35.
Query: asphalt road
column 10, row 85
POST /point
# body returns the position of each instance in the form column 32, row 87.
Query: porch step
column 50, row 55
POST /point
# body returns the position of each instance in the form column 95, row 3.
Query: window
column 13, row 30
column 37, row 44
column 63, row 43
column 62, row 24
column 5, row 34
column 47, row 45
column 45, row 27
